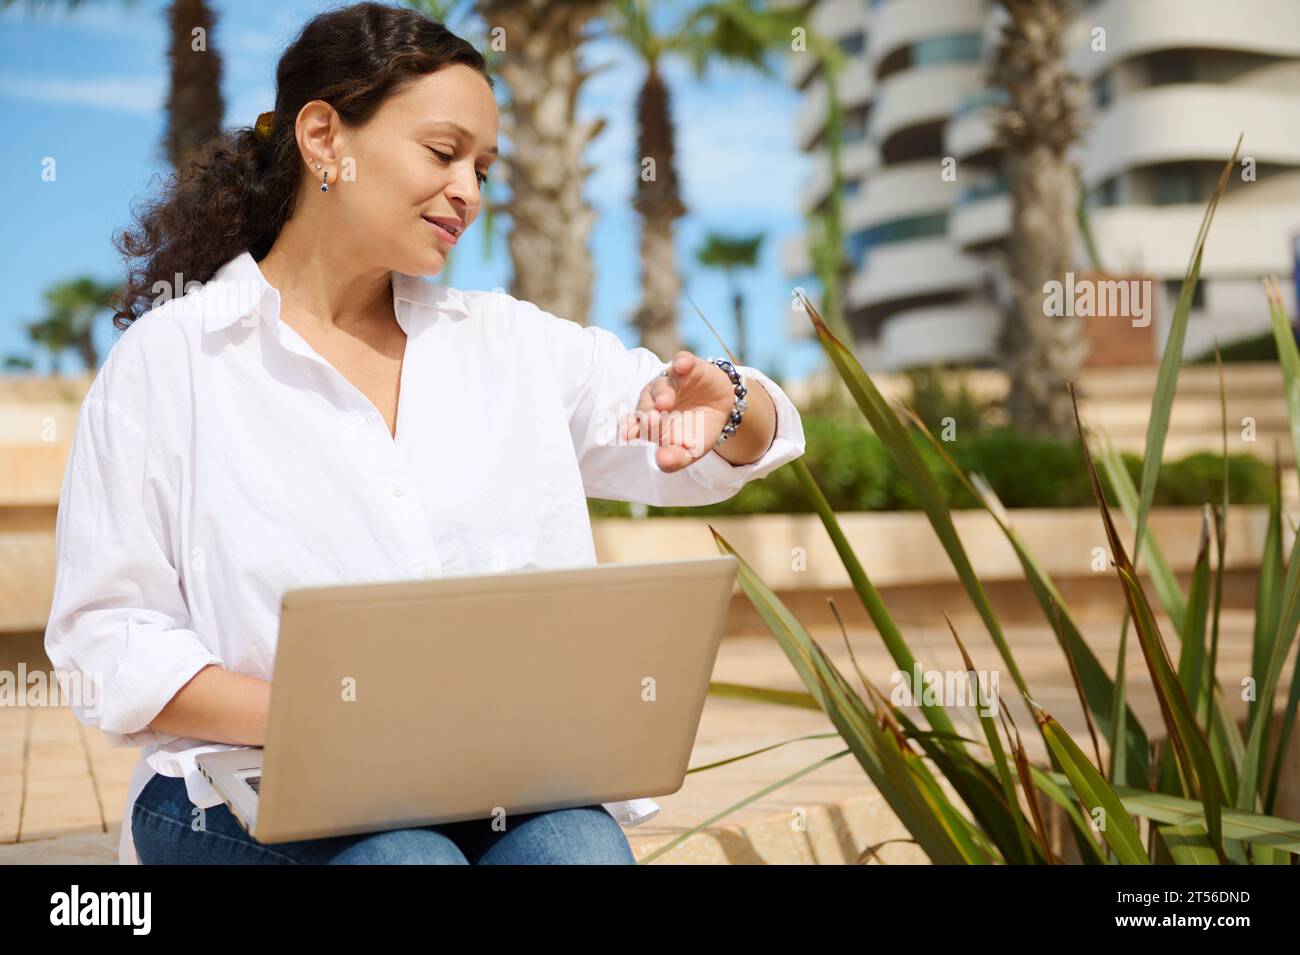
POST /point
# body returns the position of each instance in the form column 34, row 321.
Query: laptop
column 417, row 702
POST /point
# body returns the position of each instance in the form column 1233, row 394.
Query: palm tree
column 1037, row 126
column 551, row 220
column 194, row 114
column 69, row 320
column 658, row 196
column 194, row 103
column 737, row 31
column 52, row 338
column 731, row 254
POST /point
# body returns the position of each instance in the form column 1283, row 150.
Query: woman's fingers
column 644, row 424
column 672, row 457
column 657, row 419
column 663, row 394
column 677, row 429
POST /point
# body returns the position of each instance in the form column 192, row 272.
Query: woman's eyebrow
column 455, row 127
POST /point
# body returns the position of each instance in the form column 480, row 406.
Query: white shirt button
column 399, row 489
column 428, row 573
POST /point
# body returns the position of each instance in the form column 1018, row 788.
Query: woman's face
column 422, row 157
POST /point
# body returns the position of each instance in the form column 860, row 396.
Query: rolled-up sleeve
column 601, row 380
column 119, row 620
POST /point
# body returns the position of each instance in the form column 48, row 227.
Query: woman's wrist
column 757, row 429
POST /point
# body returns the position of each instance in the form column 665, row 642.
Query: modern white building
column 1170, row 85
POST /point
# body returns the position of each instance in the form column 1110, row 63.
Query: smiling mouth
column 445, row 229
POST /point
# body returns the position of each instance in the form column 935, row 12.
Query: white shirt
column 219, row 460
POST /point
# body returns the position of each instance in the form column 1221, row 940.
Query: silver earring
column 323, row 180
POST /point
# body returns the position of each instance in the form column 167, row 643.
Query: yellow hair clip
column 265, row 123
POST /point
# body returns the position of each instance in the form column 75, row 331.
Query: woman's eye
column 448, row 157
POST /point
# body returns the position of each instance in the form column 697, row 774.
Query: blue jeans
column 163, row 817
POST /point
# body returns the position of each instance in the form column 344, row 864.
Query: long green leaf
column 670, row 846
column 1168, row 592
column 892, row 433
column 1167, row 378
column 988, row 723
column 1289, row 356
column 758, row 752
column 1093, row 792
column 1254, row 828
column 982, row 793
column 1157, row 430
column 761, row 694
column 1190, row 748
column 1187, row 845
column 875, row 752
column 1261, row 707
column 866, row 591
column 1098, row 688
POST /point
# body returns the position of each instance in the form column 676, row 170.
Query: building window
column 1103, row 90
column 1174, row 287
column 860, row 243
column 985, row 187
column 855, row 127
column 1106, row 193
column 984, row 98
column 1170, row 66
column 1174, row 184
column 956, row 48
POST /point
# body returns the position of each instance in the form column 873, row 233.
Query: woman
column 312, row 411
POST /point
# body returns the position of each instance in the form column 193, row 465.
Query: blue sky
column 88, row 88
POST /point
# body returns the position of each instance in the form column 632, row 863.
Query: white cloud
column 735, row 151
column 113, row 19
column 737, row 154
column 132, row 94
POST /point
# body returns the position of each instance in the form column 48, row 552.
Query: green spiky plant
column 1206, row 795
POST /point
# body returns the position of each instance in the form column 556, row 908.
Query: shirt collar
column 239, row 288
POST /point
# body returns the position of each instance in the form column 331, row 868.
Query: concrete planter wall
column 790, row 552
column 793, row 551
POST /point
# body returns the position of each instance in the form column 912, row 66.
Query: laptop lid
column 417, row 702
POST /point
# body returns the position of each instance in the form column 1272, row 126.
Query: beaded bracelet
column 738, row 405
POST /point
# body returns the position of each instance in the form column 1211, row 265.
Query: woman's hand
column 685, row 411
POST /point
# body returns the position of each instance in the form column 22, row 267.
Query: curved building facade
column 1170, row 85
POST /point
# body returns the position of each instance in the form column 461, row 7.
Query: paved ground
column 62, row 790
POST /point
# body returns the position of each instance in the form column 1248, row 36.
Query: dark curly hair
column 240, row 191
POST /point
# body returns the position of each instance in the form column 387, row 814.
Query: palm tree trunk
column 658, row 199
column 1041, row 353
column 194, row 105
column 656, row 317
column 742, row 339
column 551, row 220
column 85, row 346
